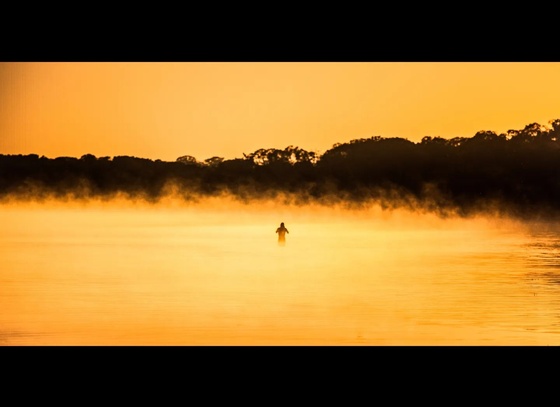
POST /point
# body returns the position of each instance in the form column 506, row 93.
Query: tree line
column 517, row 172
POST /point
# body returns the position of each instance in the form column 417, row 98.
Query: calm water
column 112, row 274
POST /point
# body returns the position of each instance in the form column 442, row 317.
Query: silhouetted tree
column 519, row 171
column 187, row 159
column 213, row 161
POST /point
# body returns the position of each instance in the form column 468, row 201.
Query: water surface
column 121, row 274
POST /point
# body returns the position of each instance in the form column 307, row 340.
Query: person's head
column 282, row 224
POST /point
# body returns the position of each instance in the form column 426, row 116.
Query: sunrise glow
column 166, row 110
column 142, row 203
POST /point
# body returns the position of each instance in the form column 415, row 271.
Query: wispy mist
column 515, row 173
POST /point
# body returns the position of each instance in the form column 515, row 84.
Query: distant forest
column 515, row 173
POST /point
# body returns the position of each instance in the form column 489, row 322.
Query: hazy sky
column 165, row 110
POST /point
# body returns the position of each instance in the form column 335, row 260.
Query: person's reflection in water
column 282, row 234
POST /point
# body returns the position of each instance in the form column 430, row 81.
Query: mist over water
column 211, row 272
column 511, row 174
column 440, row 242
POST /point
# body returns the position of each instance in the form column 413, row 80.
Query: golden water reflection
column 116, row 274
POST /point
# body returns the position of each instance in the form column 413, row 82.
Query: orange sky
column 164, row 110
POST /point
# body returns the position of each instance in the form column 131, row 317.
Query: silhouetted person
column 282, row 233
